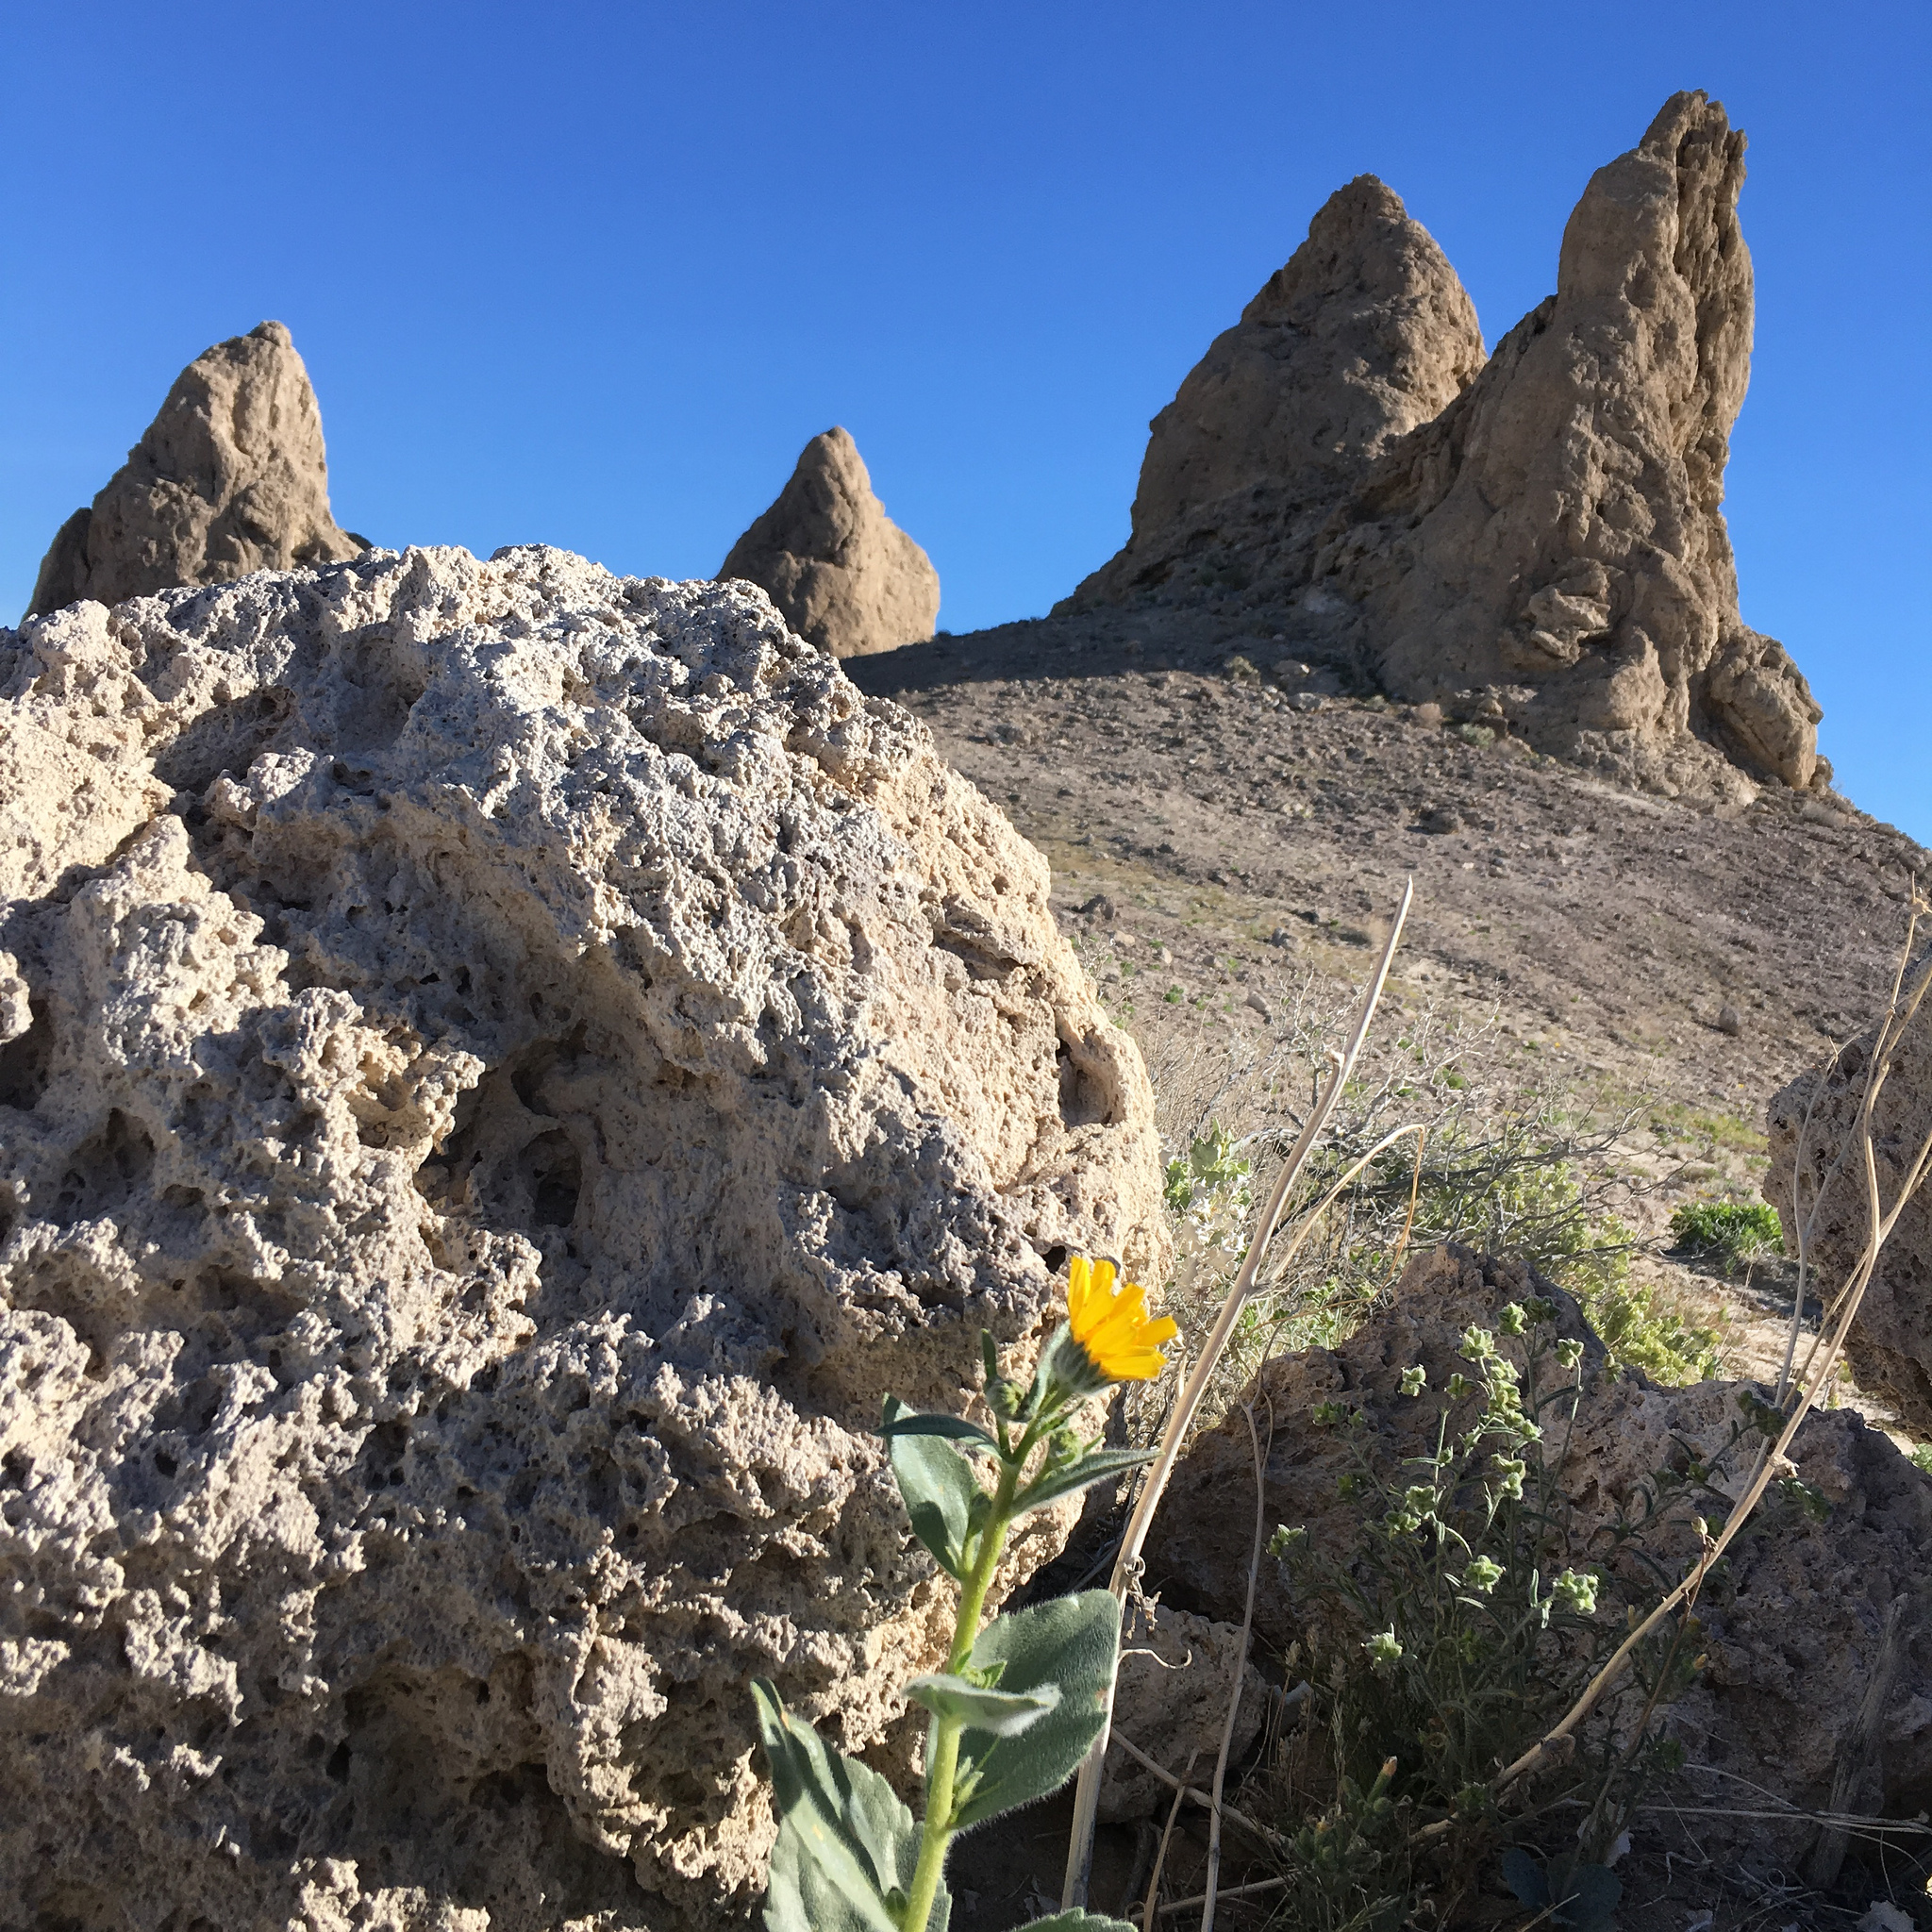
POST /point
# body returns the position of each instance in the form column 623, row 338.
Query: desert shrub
column 1527, row 1173
column 1731, row 1233
column 1454, row 1631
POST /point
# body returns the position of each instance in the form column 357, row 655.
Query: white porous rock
column 503, row 1068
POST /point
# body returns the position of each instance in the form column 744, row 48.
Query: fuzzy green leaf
column 1073, row 1643
column 844, row 1839
column 998, row 1713
column 1078, row 1475
column 1076, row 1922
column 908, row 1421
column 936, row 1482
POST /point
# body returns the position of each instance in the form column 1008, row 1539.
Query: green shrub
column 1731, row 1233
column 1447, row 1638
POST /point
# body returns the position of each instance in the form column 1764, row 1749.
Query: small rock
column 1729, row 1019
column 1427, row 714
column 1291, row 670
column 1260, row 1006
column 1885, row 1917
column 1163, row 957
column 1439, row 818
column 1282, row 936
column 1305, row 701
column 1099, row 906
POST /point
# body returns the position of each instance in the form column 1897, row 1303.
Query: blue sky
column 592, row 275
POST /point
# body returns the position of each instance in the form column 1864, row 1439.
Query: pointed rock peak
column 230, row 477
column 1556, row 538
column 1361, row 241
column 1361, row 335
column 844, row 575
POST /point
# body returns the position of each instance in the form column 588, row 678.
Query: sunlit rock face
column 503, row 1067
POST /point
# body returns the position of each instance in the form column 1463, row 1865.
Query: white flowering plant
column 1452, row 1633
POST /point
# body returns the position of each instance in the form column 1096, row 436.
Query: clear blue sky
column 593, row 274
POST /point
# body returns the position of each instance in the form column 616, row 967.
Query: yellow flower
column 1111, row 1323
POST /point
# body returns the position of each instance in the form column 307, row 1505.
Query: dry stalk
column 1173, row 1812
column 1815, row 1377
column 1241, row 1667
column 1199, row 1797
column 1260, row 1885
column 1127, row 1565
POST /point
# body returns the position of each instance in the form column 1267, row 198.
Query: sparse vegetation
column 1500, row 1172
column 1448, row 1636
column 1730, row 1233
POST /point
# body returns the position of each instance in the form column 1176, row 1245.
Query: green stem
column 942, row 1764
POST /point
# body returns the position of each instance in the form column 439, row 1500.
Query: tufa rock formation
column 1545, row 545
column 1365, row 333
column 1794, row 1637
column 1890, row 1341
column 504, row 1067
column 229, row 478
column 1171, row 1697
column 843, row 573
column 1556, row 533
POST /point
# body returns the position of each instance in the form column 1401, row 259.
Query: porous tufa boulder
column 844, row 576
column 230, row 477
column 1795, row 1633
column 1556, row 535
column 504, row 1067
column 1364, row 333
column 1815, row 1140
column 1177, row 1676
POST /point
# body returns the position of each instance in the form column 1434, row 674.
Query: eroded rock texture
column 504, row 1066
column 230, row 477
column 1557, row 532
column 844, row 576
column 1815, row 1138
column 1796, row 1629
column 1363, row 334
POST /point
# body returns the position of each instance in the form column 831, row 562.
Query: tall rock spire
column 1556, row 534
column 1363, row 334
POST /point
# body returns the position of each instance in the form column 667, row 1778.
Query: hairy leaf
column 1073, row 1643
column 937, row 1484
column 845, row 1842
column 998, row 1713
column 1078, row 1475
column 900, row 1420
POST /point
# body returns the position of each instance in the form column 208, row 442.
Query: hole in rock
column 105, row 1170
column 1087, row 1098
column 554, row 1175
column 24, row 1061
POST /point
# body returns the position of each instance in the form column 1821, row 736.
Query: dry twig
column 1241, row 1667
column 1086, row 1791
